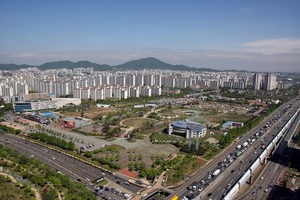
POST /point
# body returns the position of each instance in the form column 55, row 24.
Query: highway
column 268, row 178
column 74, row 168
column 247, row 159
column 215, row 188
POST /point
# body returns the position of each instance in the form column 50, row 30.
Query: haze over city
column 242, row 35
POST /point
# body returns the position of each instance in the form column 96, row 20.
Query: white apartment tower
column 149, row 79
column 134, row 92
column 270, row 82
column 130, row 80
column 257, row 81
column 139, row 80
column 157, row 79
column 85, row 93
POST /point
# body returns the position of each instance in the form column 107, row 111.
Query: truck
column 216, row 172
column 245, row 144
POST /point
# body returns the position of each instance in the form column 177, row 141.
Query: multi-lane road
column 74, row 168
column 268, row 178
column 216, row 187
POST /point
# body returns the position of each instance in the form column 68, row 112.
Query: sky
column 254, row 35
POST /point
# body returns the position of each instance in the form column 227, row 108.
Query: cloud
column 13, row 17
column 273, row 46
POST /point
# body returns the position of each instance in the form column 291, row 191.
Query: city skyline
column 241, row 35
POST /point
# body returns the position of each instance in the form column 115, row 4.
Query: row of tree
column 53, row 140
column 108, row 162
column 234, row 133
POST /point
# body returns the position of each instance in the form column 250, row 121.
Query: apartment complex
column 85, row 83
column 266, row 82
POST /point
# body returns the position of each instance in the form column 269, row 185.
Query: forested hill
column 144, row 63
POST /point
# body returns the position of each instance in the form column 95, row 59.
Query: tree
column 56, row 181
column 24, row 174
column 105, row 128
column 136, row 166
column 143, row 170
column 151, row 174
column 140, row 156
column 100, row 117
column 88, row 154
column 131, row 166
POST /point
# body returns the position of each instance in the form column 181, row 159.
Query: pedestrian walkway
column 157, row 185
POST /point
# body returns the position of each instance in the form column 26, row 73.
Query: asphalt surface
column 216, row 187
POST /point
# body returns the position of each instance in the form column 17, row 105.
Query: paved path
column 157, row 185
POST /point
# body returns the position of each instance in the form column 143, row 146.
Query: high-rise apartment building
column 270, row 82
column 257, row 81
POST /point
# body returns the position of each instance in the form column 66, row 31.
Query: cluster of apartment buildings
column 266, row 82
column 85, row 83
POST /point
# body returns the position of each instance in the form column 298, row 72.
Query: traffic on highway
column 216, row 179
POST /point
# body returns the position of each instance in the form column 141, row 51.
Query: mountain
column 13, row 66
column 71, row 65
column 144, row 63
column 152, row 63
